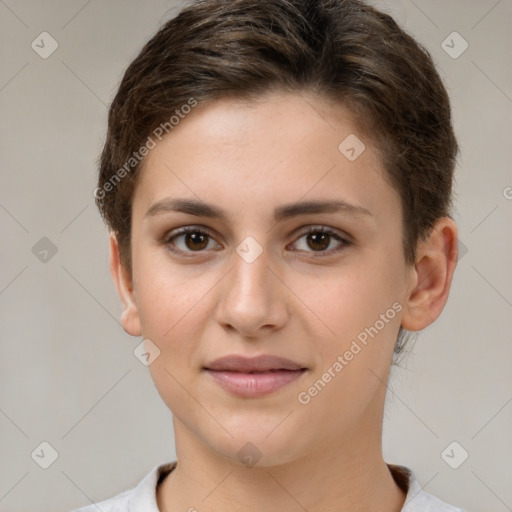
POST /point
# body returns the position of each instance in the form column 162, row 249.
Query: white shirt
column 142, row 498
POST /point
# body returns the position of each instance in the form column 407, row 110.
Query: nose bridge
column 249, row 281
column 250, row 297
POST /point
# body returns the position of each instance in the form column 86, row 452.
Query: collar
column 143, row 496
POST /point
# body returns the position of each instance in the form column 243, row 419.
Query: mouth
column 253, row 377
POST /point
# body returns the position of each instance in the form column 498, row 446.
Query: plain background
column 68, row 375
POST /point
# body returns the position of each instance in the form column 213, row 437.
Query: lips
column 253, row 377
column 262, row 363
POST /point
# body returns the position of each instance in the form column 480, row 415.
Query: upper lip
column 235, row 363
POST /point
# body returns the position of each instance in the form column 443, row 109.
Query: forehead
column 277, row 149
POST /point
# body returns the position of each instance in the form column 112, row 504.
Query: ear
column 431, row 276
column 130, row 316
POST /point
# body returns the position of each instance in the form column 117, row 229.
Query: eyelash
column 316, row 229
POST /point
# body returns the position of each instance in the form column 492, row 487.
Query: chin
column 255, row 444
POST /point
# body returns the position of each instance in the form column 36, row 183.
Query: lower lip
column 251, row 385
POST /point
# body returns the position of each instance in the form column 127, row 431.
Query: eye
column 320, row 238
column 192, row 238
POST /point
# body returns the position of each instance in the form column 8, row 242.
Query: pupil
column 320, row 239
column 196, row 238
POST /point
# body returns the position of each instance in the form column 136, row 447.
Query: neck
column 345, row 474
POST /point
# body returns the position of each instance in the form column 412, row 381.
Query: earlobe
column 432, row 276
column 130, row 319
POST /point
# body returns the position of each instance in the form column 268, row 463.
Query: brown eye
column 188, row 240
column 196, row 240
column 320, row 240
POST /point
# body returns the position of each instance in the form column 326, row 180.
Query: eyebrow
column 286, row 211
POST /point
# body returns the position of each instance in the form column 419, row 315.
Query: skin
column 293, row 301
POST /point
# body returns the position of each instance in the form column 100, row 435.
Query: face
column 261, row 273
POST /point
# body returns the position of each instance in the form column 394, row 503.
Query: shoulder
column 141, row 498
column 117, row 503
column 418, row 500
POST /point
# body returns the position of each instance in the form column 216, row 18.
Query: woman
column 277, row 181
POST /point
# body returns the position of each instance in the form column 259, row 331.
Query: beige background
column 68, row 375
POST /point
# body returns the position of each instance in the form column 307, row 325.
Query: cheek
column 166, row 295
column 170, row 309
column 347, row 300
column 169, row 305
column 361, row 306
column 363, row 312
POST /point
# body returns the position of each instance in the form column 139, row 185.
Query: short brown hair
column 342, row 50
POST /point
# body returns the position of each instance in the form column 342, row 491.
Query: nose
column 252, row 299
